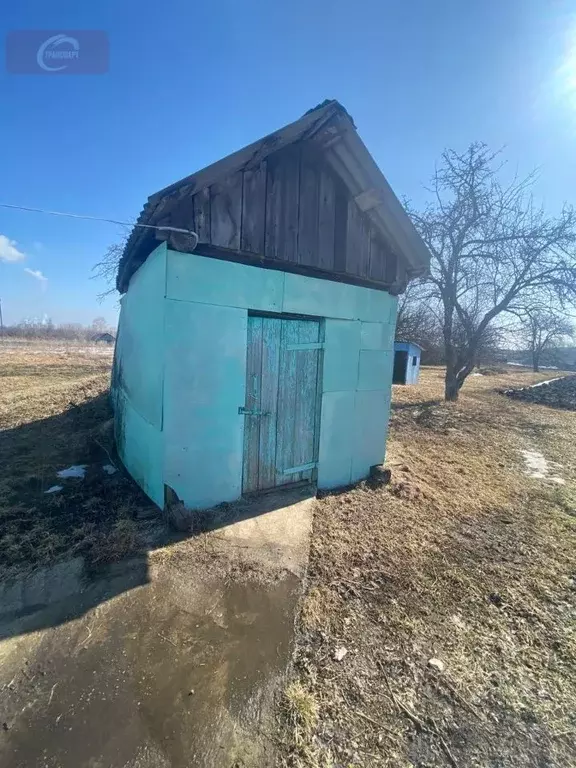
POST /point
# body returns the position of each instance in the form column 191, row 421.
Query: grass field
column 463, row 558
column 54, row 412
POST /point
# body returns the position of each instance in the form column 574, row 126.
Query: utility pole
column 1, row 322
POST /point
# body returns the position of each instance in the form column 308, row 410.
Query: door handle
column 242, row 411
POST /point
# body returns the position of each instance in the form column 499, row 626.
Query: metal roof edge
column 410, row 344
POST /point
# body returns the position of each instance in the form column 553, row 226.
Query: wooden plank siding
column 357, row 242
column 202, row 215
column 253, row 398
column 326, row 221
column 254, row 210
column 282, row 205
column 226, row 212
column 308, row 216
column 291, row 208
column 282, row 411
column 378, row 259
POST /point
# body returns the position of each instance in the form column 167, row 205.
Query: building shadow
column 63, row 552
column 394, row 407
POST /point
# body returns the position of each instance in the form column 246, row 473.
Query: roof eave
column 352, row 161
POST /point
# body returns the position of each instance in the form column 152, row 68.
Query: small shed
column 406, row 362
column 106, row 338
column 256, row 331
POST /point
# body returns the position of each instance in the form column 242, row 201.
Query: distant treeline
column 557, row 357
column 45, row 329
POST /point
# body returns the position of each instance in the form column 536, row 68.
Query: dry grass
column 464, row 559
column 53, row 413
column 300, row 713
column 302, row 709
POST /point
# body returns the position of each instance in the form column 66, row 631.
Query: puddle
column 169, row 660
column 538, row 467
column 176, row 672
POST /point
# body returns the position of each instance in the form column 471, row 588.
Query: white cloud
column 9, row 250
column 37, row 274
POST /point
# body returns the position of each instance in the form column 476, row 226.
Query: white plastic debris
column 54, row 489
column 76, row 470
column 339, row 653
column 534, row 386
column 436, row 664
column 542, row 383
column 109, row 469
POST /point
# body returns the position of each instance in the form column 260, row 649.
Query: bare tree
column 493, row 250
column 542, row 330
column 417, row 320
column 74, row 331
column 99, row 325
column 107, row 268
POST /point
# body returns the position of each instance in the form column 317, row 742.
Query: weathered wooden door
column 282, row 401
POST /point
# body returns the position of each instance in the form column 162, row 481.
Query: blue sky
column 192, row 81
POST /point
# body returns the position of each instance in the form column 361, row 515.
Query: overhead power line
column 98, row 218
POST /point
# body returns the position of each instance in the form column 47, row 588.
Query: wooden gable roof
column 328, row 134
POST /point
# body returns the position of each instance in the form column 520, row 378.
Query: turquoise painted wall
column 139, row 375
column 196, row 359
column 205, row 359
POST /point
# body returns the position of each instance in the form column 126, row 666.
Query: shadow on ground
column 91, row 540
column 419, row 404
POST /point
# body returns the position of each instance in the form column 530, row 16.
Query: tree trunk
column 451, row 385
column 458, row 368
column 535, row 362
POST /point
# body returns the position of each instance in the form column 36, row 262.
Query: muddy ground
column 165, row 661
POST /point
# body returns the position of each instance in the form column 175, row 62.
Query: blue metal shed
column 406, row 362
